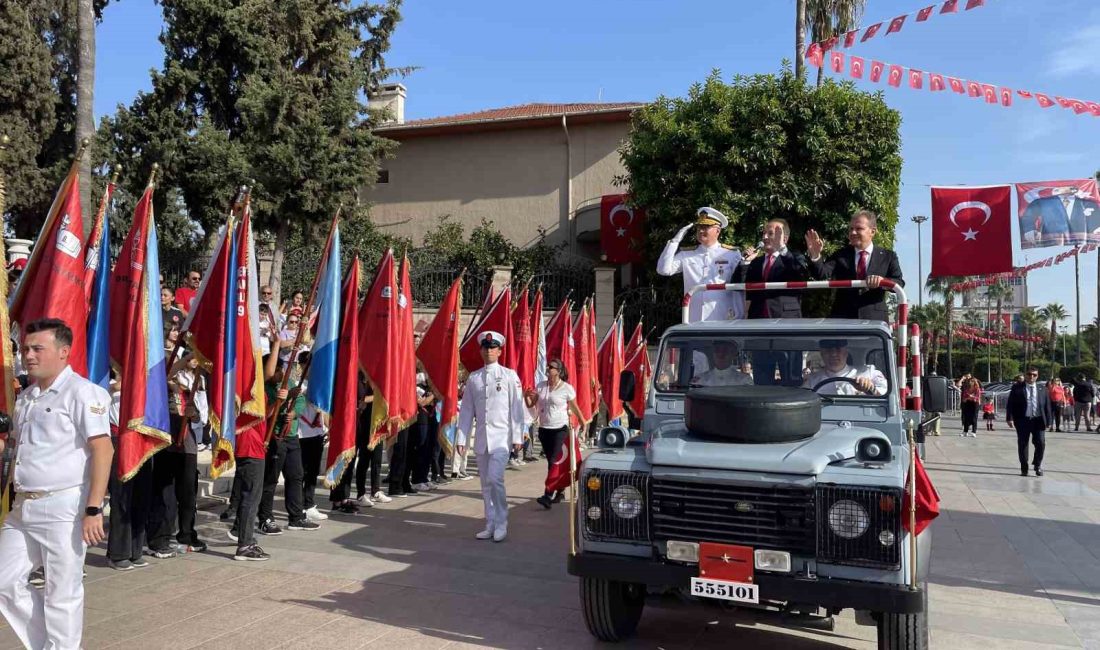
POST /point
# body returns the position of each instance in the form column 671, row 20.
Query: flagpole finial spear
column 153, row 174
column 84, row 144
column 116, row 171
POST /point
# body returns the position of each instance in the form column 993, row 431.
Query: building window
column 383, row 176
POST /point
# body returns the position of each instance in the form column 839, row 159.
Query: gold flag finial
column 153, row 174
column 116, row 171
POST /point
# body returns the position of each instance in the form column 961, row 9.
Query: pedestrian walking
column 1057, row 396
column 554, row 400
column 1028, row 410
column 63, row 452
column 971, row 400
column 492, row 404
column 1083, row 396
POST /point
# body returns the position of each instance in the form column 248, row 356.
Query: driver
column 834, row 353
column 724, row 372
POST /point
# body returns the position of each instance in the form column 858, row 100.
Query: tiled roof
column 523, row 111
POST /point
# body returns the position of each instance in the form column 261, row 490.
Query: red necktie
column 768, row 267
column 861, row 268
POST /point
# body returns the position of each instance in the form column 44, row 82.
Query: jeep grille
column 883, row 508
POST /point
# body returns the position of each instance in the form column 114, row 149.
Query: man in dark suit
column 859, row 260
column 1029, row 410
column 775, row 264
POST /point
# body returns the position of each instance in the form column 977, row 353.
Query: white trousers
column 490, row 468
column 44, row 532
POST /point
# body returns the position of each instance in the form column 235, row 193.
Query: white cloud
column 1077, row 53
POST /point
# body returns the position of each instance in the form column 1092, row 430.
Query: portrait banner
column 1058, row 213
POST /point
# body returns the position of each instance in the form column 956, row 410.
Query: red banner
column 971, row 230
column 1058, row 213
column 622, row 229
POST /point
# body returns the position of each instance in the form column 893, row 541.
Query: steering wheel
column 848, row 380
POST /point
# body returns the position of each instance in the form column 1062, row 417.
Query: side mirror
column 613, row 438
column 934, row 394
column 627, row 383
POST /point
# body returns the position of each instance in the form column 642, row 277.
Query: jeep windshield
column 834, row 364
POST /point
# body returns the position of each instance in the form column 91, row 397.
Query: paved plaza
column 1016, row 565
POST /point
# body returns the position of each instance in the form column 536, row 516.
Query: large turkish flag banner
column 971, row 230
column 621, row 229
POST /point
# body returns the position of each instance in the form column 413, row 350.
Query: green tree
column 1033, row 323
column 828, row 18
column 765, row 146
column 943, row 286
column 1054, row 312
column 266, row 92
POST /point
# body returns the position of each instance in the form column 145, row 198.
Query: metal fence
column 657, row 306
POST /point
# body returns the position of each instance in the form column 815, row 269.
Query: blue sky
column 493, row 53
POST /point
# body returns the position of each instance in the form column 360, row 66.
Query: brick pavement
column 1016, row 565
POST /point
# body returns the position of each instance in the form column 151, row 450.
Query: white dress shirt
column 722, row 377
column 878, row 380
column 52, row 429
column 493, row 397
column 705, row 265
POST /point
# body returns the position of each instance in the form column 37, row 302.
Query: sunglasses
column 293, row 322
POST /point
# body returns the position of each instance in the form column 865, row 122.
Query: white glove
column 683, row 231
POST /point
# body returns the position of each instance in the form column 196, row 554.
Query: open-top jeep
column 771, row 494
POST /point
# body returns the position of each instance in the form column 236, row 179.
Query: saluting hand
column 814, row 244
column 682, row 233
column 93, row 530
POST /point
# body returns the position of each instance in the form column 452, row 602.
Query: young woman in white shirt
column 555, row 399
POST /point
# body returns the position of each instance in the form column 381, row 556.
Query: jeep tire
column 611, row 609
column 753, row 414
column 904, row 631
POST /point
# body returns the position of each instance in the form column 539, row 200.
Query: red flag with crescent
column 850, row 38
column 925, row 13
column 950, row 7
column 870, row 33
column 896, row 24
column 621, row 229
column 971, row 230
column 1044, row 101
column 895, row 75
column 856, row 66
column 836, row 61
column 956, row 85
column 876, row 70
column 916, row 79
column 935, row 82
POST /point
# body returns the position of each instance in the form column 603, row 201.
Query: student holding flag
column 555, row 400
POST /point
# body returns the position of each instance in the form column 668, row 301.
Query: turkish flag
column 927, row 500
column 850, row 38
column 896, row 24
column 1024, row 94
column 557, row 478
column 836, row 61
column 829, row 43
column 950, row 7
column 621, row 229
column 956, row 85
column 1044, row 101
column 935, row 82
column 990, row 93
column 637, row 362
column 582, row 379
column 916, row 79
column 1078, row 106
column 870, row 33
column 523, row 351
column 1094, row 108
column 895, row 76
column 876, row 70
column 925, row 13
column 1006, row 96
column 974, row 89
column 971, row 230
column 1062, row 101
column 815, row 55
column 972, row 4
column 857, row 66
column 559, row 339
column 438, row 353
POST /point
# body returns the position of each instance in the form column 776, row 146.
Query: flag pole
column 7, row 390
column 302, row 326
column 572, row 491
column 912, row 506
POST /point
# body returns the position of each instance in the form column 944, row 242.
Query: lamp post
column 1064, row 329
column 919, row 219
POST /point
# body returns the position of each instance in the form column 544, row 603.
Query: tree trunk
column 275, row 278
column 800, row 39
column 85, row 89
column 950, row 302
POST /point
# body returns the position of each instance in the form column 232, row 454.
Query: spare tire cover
column 753, row 414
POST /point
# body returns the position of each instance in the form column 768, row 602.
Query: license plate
column 738, row 592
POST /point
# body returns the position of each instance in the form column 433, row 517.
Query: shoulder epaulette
column 688, row 247
column 729, row 247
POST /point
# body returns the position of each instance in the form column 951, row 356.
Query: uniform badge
column 97, row 409
column 498, row 386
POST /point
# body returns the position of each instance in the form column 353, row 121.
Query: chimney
column 390, row 98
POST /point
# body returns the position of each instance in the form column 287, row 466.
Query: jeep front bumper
column 824, row 592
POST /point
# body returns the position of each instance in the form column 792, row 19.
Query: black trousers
column 312, row 449
column 283, row 457
column 552, row 441
column 129, row 513
column 175, row 490
column 249, row 486
column 399, row 466
column 1057, row 406
column 428, row 448
column 970, row 416
column 1031, row 430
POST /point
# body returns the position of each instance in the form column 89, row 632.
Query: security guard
column 708, row 263
column 63, row 456
column 493, row 397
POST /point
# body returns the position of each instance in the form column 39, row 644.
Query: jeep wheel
column 904, row 631
column 611, row 609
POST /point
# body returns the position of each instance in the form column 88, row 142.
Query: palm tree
column 932, row 318
column 1054, row 312
column 799, row 39
column 828, row 18
column 942, row 287
column 1033, row 322
column 85, row 83
column 997, row 292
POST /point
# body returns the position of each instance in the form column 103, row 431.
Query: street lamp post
column 1065, row 329
column 919, row 219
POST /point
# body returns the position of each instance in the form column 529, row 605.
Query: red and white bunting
column 1022, row 271
column 895, row 24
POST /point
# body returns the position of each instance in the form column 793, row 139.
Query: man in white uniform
column 834, row 353
column 63, row 450
column 723, row 373
column 494, row 398
column 707, row 263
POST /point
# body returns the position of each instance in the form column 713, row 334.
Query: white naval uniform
column 722, row 377
column 702, row 265
column 878, row 380
column 50, row 433
column 494, row 398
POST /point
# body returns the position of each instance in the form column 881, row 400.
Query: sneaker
column 197, row 546
column 225, row 516
column 380, row 497
column 304, row 524
column 313, row 514
column 409, row 491
column 162, row 553
column 422, row 487
column 251, row 553
column 512, row 462
column 139, row 563
column 559, row 496
column 348, row 507
column 544, row 501
column 121, row 565
column 365, row 501
column 397, row 495
column 521, row 462
column 231, row 534
column 37, row 578
column 464, row 477
column 485, row 534
column 454, row 476
column 500, row 534
column 269, row 527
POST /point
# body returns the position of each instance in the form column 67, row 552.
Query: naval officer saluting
column 63, row 456
column 494, row 398
column 708, row 263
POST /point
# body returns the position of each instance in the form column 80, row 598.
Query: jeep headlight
column 626, row 502
column 848, row 519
